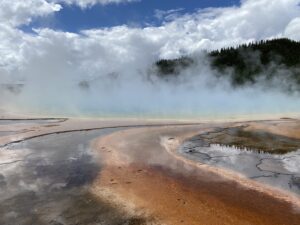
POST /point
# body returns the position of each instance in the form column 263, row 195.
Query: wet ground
column 149, row 174
column 259, row 155
column 44, row 180
column 6, row 133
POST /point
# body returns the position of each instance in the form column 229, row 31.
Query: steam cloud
column 109, row 71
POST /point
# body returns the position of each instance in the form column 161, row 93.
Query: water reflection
column 282, row 171
column 44, row 180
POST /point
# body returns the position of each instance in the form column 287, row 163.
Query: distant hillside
column 247, row 63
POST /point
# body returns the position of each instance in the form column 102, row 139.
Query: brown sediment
column 138, row 172
column 288, row 127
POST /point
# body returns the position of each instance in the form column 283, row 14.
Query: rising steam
column 195, row 92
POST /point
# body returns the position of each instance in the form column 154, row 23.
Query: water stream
column 44, row 181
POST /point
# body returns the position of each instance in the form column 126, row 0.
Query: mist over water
column 139, row 92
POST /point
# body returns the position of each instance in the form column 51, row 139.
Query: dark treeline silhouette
column 173, row 66
column 248, row 62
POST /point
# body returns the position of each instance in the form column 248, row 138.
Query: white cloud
column 115, row 59
column 88, row 3
column 214, row 28
column 19, row 12
column 168, row 15
column 293, row 29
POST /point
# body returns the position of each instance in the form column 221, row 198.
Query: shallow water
column 29, row 121
column 6, row 133
column 281, row 171
column 44, row 180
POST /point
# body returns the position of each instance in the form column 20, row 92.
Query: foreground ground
column 133, row 175
column 140, row 173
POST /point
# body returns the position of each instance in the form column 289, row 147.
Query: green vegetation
column 245, row 64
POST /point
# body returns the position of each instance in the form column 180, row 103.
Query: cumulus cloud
column 111, row 64
column 19, row 12
column 214, row 28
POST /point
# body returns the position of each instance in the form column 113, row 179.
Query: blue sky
column 73, row 18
